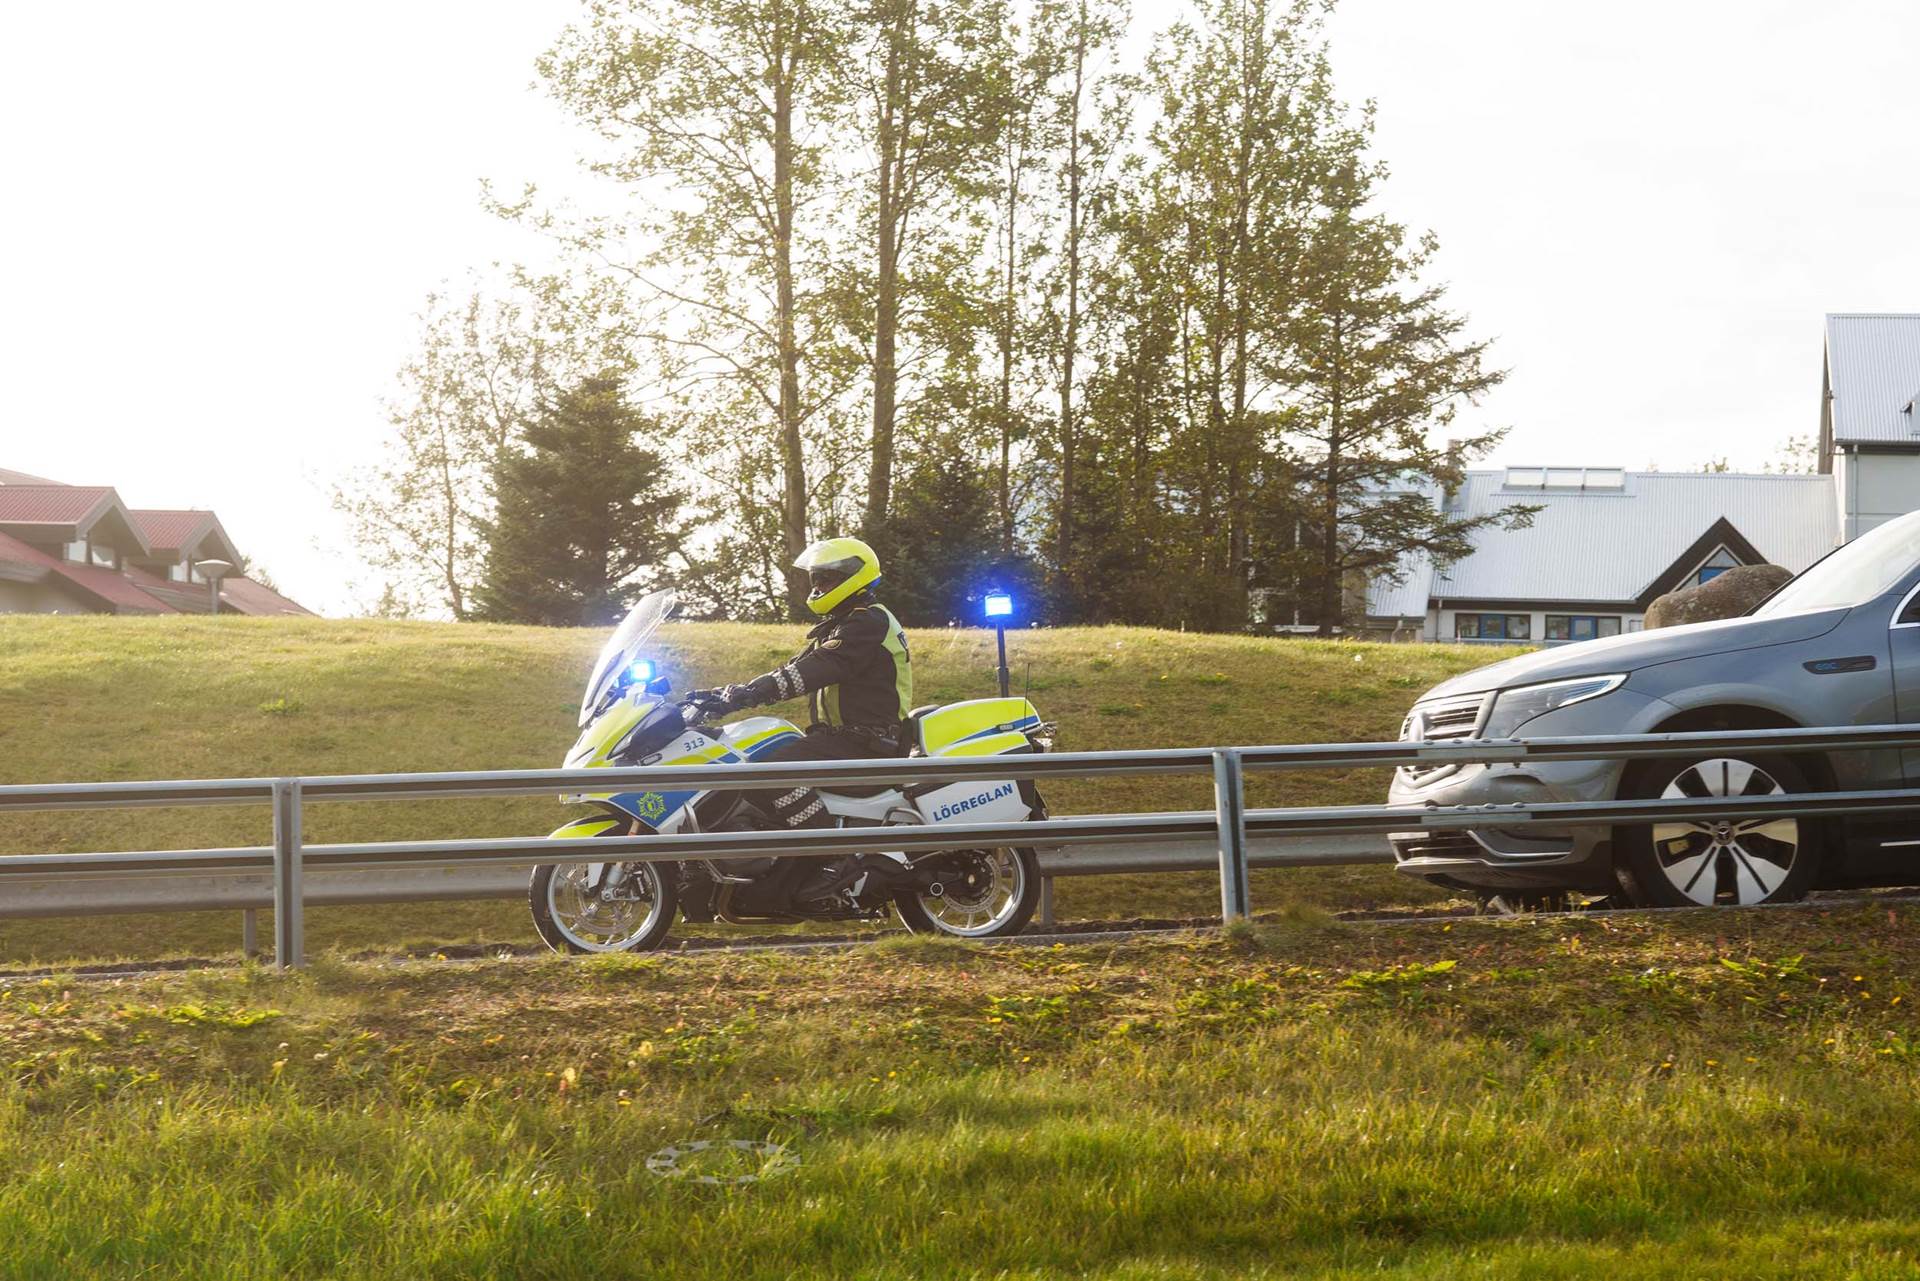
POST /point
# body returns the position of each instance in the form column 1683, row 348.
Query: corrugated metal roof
column 15, row 552
column 10, row 477
column 49, row 504
column 1873, row 370
column 171, row 530
column 1405, row 599
column 112, row 586
column 249, row 597
column 1611, row 547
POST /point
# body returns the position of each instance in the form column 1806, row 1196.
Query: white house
column 1869, row 426
column 1606, row 541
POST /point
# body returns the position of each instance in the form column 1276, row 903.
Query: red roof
column 249, row 597
column 112, row 586
column 15, row 552
column 170, row 530
column 49, row 504
column 8, row 477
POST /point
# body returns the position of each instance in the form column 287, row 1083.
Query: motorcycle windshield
column 628, row 642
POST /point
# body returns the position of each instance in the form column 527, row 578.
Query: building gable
column 1871, row 379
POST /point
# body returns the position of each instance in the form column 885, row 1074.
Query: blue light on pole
column 998, row 607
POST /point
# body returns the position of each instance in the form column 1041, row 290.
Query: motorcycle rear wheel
column 993, row 895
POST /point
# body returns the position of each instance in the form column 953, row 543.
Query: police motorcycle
column 628, row 717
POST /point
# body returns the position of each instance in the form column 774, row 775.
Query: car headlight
column 1513, row 708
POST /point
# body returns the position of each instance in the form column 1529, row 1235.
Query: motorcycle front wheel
column 633, row 917
column 981, row 894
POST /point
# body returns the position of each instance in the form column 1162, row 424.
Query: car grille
column 1442, row 720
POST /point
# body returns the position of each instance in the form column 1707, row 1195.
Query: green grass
column 127, row 698
column 1726, row 1094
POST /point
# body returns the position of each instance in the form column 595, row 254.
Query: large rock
column 1727, row 595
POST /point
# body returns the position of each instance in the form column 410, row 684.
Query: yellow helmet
column 837, row 568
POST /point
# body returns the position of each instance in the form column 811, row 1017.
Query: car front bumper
column 1493, row 858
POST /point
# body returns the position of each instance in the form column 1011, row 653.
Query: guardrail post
column 249, row 932
column 289, row 929
column 1230, row 810
column 1046, row 900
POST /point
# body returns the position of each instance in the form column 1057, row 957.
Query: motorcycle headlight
column 1513, row 708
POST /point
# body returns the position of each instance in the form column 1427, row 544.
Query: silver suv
column 1839, row 645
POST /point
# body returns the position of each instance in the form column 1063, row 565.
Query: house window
column 177, row 572
column 75, row 552
column 103, row 556
column 1715, row 565
column 1492, row 626
column 1580, row 627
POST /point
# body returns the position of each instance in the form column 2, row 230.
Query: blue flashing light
column 997, row 605
column 640, row 671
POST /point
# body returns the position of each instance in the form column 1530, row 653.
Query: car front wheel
column 1717, row 862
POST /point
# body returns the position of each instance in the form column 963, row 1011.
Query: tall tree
column 947, row 502
column 584, row 518
column 720, row 114
column 1029, row 51
column 1247, row 129
column 931, row 106
column 1377, row 369
column 484, row 362
column 1092, row 27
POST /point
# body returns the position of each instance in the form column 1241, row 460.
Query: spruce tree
column 944, row 537
column 1376, row 371
column 585, row 519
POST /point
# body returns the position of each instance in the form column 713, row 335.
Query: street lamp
column 998, row 607
column 213, row 571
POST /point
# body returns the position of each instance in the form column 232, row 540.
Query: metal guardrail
column 1229, row 826
column 41, row 894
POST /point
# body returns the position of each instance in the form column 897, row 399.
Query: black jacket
column 855, row 670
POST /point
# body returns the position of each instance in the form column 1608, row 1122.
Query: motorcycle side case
column 996, row 802
column 977, row 727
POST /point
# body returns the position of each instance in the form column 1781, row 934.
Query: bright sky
column 219, row 220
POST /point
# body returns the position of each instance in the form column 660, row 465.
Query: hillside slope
column 128, row 698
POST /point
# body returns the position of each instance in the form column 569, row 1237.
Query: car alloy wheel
column 1726, row 861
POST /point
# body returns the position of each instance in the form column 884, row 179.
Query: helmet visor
column 822, row 581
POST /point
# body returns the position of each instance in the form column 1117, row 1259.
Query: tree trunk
column 1330, row 603
column 886, row 309
column 1006, row 345
column 1238, row 444
column 1070, row 346
column 1216, row 444
column 793, row 506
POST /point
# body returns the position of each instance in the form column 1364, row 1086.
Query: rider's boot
column 798, row 809
column 830, row 878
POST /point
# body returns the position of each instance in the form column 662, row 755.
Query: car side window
column 1909, row 612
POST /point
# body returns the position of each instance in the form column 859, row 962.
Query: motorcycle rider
column 854, row 672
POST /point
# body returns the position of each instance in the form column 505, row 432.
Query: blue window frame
column 1579, row 627
column 1492, row 626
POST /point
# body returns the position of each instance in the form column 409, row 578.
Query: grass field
column 1696, row 1094
column 131, row 698
column 1726, row 1095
